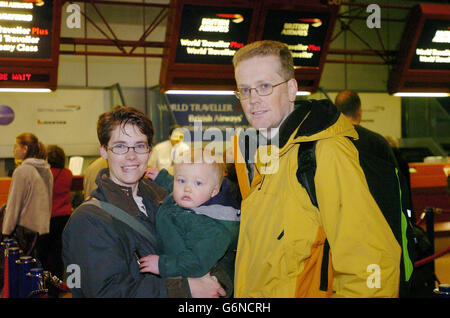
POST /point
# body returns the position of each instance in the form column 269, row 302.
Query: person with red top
column 61, row 207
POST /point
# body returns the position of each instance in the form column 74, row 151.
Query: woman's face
column 19, row 150
column 126, row 169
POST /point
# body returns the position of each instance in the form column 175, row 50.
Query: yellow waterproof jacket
column 282, row 233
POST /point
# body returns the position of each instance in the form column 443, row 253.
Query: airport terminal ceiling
column 100, row 38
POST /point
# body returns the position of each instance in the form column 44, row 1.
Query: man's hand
column 205, row 287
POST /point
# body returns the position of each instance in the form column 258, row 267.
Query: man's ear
column 359, row 115
column 103, row 152
column 292, row 89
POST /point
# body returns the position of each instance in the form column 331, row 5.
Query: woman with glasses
column 105, row 251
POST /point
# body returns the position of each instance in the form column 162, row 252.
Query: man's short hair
column 267, row 48
column 121, row 116
column 348, row 102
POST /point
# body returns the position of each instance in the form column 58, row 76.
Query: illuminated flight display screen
column 22, row 77
column 26, row 29
column 303, row 32
column 212, row 35
column 432, row 51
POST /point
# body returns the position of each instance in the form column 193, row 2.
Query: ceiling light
column 25, row 90
column 201, row 92
column 414, row 94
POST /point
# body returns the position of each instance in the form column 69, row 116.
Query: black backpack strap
column 307, row 168
column 124, row 217
column 305, row 175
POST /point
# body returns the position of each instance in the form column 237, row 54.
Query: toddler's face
column 194, row 184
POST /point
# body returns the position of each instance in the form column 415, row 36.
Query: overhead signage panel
column 26, row 29
column 212, row 35
column 303, row 32
column 433, row 47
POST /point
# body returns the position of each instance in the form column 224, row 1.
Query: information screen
column 212, row 35
column 23, row 77
column 26, row 29
column 432, row 51
column 303, row 32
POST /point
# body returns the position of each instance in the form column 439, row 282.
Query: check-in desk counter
column 429, row 188
column 5, row 183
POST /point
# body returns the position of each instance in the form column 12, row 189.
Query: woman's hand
column 205, row 287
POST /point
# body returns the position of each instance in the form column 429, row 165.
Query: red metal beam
column 388, row 6
column 364, row 18
column 150, row 29
column 361, row 52
column 109, row 54
column 108, row 42
column 356, row 62
column 141, row 4
column 120, row 47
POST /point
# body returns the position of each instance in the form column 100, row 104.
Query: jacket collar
column 122, row 197
column 310, row 117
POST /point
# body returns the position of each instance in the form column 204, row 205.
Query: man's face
column 194, row 184
column 176, row 137
column 265, row 111
column 126, row 169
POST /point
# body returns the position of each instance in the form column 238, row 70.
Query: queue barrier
column 23, row 275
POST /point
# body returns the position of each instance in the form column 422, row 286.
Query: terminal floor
column 442, row 264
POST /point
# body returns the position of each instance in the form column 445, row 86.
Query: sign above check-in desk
column 211, row 35
column 303, row 32
column 433, row 47
column 423, row 61
column 29, row 43
column 26, row 29
column 203, row 37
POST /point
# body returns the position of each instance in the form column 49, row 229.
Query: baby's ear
column 215, row 191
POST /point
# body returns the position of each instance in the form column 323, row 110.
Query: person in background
column 402, row 163
column 107, row 250
column 349, row 103
column 61, row 207
column 164, row 153
column 90, row 175
column 29, row 205
column 198, row 223
column 282, row 248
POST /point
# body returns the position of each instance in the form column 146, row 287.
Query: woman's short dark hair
column 56, row 156
column 121, row 116
column 35, row 148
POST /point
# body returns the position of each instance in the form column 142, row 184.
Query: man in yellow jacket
column 281, row 241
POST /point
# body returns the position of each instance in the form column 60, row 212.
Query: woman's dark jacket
column 100, row 253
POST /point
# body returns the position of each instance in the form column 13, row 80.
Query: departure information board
column 202, row 37
column 29, row 43
column 211, row 35
column 303, row 32
column 26, row 29
column 423, row 58
column 433, row 47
